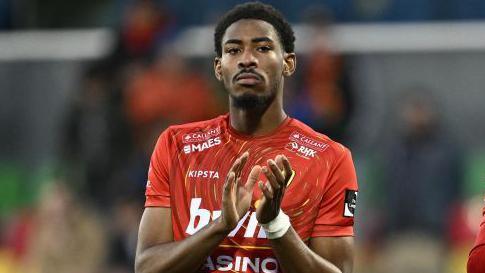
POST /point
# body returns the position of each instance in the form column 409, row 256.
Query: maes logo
column 201, row 136
column 301, row 150
column 204, row 216
column 199, row 147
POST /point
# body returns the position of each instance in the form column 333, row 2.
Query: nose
column 247, row 60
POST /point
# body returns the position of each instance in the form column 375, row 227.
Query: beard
column 248, row 101
column 252, row 101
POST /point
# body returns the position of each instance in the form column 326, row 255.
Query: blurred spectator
column 423, row 171
column 145, row 26
column 17, row 233
column 6, row 255
column 66, row 236
column 325, row 101
column 422, row 177
column 5, row 14
column 97, row 135
column 7, row 263
column 124, row 232
column 406, row 253
column 168, row 92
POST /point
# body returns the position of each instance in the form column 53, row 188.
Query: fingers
column 279, row 162
column 277, row 172
column 271, row 178
column 243, row 159
column 253, row 177
column 239, row 163
column 266, row 189
column 287, row 167
column 228, row 186
column 234, row 167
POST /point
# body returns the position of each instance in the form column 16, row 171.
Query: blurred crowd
column 415, row 216
column 15, row 14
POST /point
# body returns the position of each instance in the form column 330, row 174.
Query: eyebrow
column 254, row 40
column 261, row 39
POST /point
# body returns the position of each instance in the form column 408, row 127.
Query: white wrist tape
column 277, row 227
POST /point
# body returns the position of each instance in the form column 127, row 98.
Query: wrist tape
column 277, row 227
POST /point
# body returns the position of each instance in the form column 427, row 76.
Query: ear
column 289, row 64
column 218, row 68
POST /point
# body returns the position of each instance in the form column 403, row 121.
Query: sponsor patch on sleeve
column 350, row 203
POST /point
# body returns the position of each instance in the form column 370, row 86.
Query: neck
column 257, row 121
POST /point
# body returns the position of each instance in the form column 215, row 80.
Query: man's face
column 253, row 63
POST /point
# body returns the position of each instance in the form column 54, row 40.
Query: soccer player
column 204, row 211
column 476, row 260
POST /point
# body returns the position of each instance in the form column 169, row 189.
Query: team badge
column 350, row 203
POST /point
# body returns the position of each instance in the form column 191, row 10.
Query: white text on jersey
column 201, row 136
column 204, row 174
column 202, row 146
column 301, row 150
column 204, row 216
column 242, row 264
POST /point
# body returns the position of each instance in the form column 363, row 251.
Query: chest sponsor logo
column 301, row 150
column 201, row 136
column 241, row 264
column 199, row 147
column 309, row 142
column 203, row 174
column 200, row 217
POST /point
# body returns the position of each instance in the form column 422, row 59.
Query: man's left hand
column 278, row 172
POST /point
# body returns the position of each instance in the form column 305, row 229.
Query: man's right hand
column 158, row 252
column 236, row 197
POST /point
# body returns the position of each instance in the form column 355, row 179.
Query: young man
column 203, row 211
column 476, row 260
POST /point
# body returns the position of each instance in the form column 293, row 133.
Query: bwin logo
column 204, row 216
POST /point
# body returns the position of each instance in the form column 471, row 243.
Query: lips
column 248, row 78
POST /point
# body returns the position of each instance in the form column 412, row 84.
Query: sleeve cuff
column 157, row 201
column 332, row 231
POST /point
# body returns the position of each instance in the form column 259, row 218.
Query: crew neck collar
column 240, row 135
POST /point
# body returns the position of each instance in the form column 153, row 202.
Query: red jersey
column 476, row 260
column 188, row 169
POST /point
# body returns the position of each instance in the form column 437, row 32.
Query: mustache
column 248, row 71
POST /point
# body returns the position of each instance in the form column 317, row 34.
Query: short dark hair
column 259, row 11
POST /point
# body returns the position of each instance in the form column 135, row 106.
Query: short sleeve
column 158, row 187
column 336, row 212
column 476, row 260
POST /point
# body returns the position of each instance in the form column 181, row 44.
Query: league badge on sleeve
column 350, row 203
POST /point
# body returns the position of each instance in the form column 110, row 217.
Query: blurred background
column 87, row 86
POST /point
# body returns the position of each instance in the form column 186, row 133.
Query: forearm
column 183, row 256
column 295, row 256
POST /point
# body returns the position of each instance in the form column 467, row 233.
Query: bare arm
column 156, row 250
column 323, row 255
